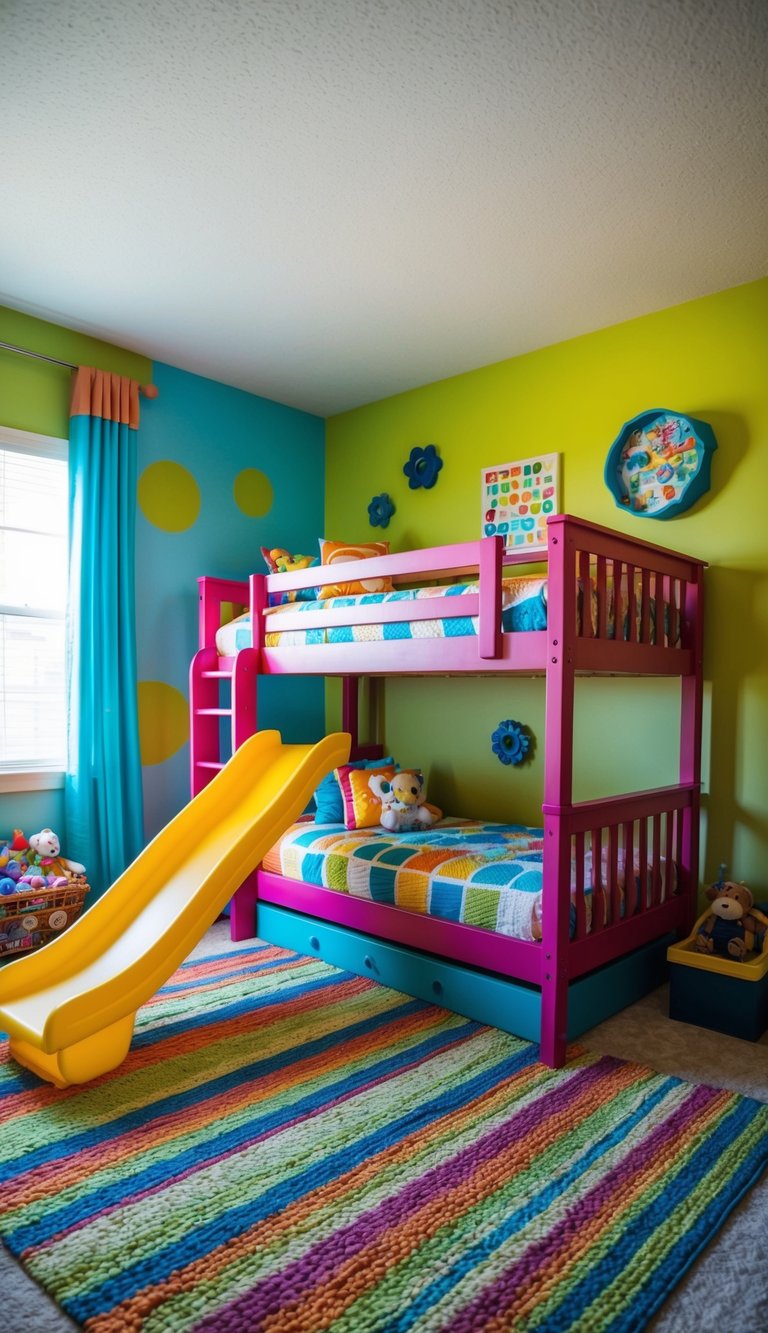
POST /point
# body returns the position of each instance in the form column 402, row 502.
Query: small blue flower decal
column 422, row 467
column 380, row 510
column 511, row 742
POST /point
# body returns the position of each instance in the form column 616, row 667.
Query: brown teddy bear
column 733, row 924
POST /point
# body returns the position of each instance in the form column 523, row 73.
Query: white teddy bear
column 402, row 801
column 47, row 847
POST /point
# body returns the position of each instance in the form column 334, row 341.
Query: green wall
column 707, row 358
column 34, row 396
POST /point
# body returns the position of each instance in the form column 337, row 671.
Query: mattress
column 524, row 608
column 473, row 872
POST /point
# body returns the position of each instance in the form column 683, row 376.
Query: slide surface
column 69, row 1008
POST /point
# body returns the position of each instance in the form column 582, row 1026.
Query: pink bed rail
column 597, row 580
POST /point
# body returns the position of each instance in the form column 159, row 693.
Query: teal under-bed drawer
column 512, row 1006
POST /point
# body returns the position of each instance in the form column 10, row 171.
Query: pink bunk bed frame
column 526, row 985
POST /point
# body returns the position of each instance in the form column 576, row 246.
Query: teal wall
column 214, row 435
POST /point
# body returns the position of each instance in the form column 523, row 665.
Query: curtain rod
column 24, row 351
column 149, row 390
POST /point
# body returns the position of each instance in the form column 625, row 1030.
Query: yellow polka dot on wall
column 163, row 720
column 253, row 492
column 169, row 496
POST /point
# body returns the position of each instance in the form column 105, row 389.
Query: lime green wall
column 707, row 358
column 34, row 396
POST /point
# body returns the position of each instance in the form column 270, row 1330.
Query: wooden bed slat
column 598, row 888
column 601, row 583
column 613, row 873
column 618, row 599
column 645, row 606
column 642, row 860
column 585, row 580
column 579, row 903
column 631, row 605
column 670, row 820
column 630, row 883
column 656, row 862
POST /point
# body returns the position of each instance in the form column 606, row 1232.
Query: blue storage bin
column 718, row 993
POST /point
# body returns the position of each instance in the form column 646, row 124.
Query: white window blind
column 33, row 596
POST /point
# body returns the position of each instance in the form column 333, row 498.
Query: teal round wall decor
column 659, row 464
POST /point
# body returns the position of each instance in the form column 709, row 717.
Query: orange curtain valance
column 97, row 393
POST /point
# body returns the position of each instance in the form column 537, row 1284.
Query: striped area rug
column 291, row 1148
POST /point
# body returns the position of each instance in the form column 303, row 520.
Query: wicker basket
column 28, row 920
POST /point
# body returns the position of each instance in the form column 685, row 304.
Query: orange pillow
column 337, row 553
column 361, row 808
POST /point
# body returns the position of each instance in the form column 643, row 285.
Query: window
column 33, row 595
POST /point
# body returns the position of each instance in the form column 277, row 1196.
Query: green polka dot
column 163, row 720
column 253, row 492
column 169, row 496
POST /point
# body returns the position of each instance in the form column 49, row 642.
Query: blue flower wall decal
column 422, row 467
column 511, row 742
column 380, row 510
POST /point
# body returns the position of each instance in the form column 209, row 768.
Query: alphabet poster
column 517, row 498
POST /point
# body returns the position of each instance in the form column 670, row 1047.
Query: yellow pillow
column 337, row 553
column 361, row 808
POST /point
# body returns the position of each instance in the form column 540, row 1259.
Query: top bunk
column 605, row 604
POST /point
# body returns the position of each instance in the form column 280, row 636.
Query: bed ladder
column 208, row 678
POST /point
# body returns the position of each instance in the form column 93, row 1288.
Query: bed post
column 350, row 704
column 691, row 698
column 558, row 791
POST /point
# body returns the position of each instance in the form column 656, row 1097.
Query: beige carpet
column 724, row 1290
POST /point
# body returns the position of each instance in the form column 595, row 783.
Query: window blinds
column 33, row 591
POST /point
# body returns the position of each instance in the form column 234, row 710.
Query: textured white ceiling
column 328, row 201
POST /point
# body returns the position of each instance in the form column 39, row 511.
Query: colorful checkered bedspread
column 481, row 874
column 524, row 607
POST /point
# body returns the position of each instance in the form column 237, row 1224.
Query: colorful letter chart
column 517, row 498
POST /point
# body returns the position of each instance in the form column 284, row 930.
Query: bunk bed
column 614, row 605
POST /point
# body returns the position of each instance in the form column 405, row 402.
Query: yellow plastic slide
column 69, row 1009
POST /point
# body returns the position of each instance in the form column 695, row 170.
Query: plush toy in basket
column 734, row 927
column 41, row 892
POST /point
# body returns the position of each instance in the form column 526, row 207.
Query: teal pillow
column 329, row 806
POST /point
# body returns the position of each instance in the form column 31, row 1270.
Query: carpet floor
column 293, row 1148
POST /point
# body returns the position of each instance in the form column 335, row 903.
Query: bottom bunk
column 537, row 931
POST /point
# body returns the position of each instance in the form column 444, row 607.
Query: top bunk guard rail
column 607, row 594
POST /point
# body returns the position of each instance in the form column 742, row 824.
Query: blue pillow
column 329, row 806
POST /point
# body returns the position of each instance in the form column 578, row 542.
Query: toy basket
column 28, row 920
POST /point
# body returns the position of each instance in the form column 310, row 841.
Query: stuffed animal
column 734, row 924
column 402, row 801
column 285, row 563
column 47, row 847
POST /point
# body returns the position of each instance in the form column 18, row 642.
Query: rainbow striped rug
column 291, row 1148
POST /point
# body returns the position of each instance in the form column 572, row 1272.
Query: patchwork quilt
column 524, row 607
column 482, row 874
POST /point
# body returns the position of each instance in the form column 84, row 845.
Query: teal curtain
column 103, row 793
